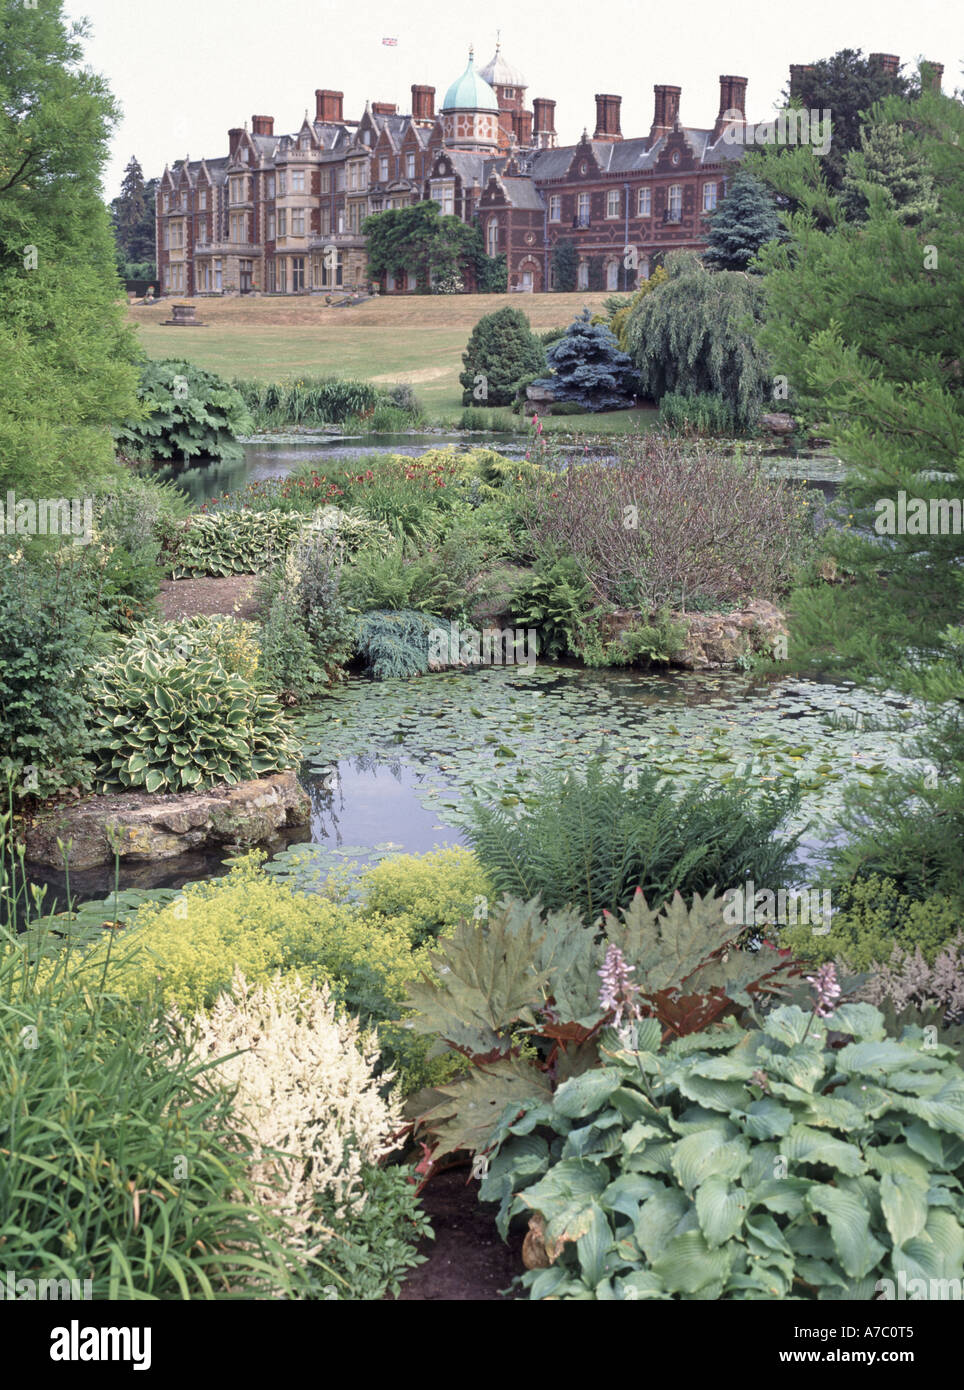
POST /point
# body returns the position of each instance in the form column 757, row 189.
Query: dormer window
column 366, row 137
column 410, row 166
column 305, row 142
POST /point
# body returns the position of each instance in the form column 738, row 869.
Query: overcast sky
column 184, row 71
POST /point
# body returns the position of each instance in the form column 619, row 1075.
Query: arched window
column 492, row 233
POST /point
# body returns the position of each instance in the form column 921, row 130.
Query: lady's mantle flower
column 618, row 993
column 826, row 990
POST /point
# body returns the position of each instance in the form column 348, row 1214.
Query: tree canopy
column 67, row 370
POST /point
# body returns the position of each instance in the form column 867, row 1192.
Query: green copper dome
column 470, row 92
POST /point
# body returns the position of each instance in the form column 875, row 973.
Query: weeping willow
column 693, row 335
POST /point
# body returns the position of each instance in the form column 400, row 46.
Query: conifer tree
column 500, row 352
column 589, row 368
column 745, row 220
column 565, row 265
column 864, row 320
column 891, row 159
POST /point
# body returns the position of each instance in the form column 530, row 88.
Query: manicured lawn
column 418, row 339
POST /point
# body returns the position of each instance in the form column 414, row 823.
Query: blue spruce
column 589, row 368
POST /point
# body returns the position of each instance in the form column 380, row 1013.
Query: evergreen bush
column 501, row 350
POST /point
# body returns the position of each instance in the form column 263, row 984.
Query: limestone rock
column 142, row 828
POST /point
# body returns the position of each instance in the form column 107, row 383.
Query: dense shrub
column 227, row 542
column 736, row 1165
column 386, row 579
column 47, row 634
column 431, row 892
column 588, row 368
column 692, row 336
column 167, row 723
column 501, row 349
column 872, row 918
column 595, row 841
column 304, row 592
column 193, row 413
column 671, row 522
column 90, row 1184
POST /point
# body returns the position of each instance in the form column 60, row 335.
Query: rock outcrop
column 142, row 828
column 714, row 640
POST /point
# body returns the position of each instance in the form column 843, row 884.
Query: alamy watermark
column 492, row 646
column 918, row 516
column 750, row 906
column 48, row 516
column 795, row 126
column 21, row 1288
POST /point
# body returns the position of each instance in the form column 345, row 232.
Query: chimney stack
column 544, row 122
column 328, row 106
column 665, row 110
column 384, row 108
column 234, row 140
column 931, row 74
column 607, row 117
column 798, row 72
column 732, row 99
column 262, row 125
column 423, row 103
column 522, row 125
column 888, row 61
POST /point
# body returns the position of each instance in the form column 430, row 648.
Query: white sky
column 184, row 71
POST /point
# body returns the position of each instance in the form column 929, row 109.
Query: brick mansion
column 282, row 214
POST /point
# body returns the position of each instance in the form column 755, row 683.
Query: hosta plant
column 206, row 635
column 166, row 724
column 226, row 542
column 815, row 1158
column 518, row 994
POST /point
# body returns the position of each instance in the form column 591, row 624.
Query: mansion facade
column 282, row 214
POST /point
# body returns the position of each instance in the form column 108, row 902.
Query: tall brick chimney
column 665, row 110
column 262, row 125
column 423, row 103
column 607, row 117
column 732, row 98
column 234, row 139
column 888, row 61
column 384, row 108
column 544, row 122
column 522, row 125
column 798, row 72
column 932, row 74
column 328, row 105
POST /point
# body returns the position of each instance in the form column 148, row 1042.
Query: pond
column 391, row 766
column 277, row 455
